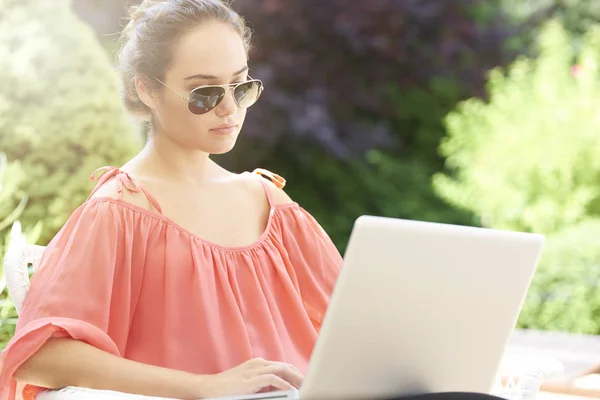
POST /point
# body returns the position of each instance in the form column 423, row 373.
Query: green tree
column 527, row 159
column 60, row 112
column 577, row 16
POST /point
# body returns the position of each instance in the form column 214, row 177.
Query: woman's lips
column 224, row 129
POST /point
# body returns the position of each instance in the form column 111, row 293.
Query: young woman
column 178, row 278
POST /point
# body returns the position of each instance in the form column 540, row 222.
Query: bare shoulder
column 278, row 195
column 109, row 189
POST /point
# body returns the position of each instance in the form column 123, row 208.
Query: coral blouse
column 132, row 282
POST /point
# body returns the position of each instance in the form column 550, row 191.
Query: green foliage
column 60, row 112
column 577, row 16
column 527, row 159
column 564, row 295
column 356, row 130
column 10, row 176
column 12, row 200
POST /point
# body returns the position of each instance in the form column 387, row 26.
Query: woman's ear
column 145, row 92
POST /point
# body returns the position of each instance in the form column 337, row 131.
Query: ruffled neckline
column 260, row 241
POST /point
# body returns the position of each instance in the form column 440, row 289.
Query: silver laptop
column 418, row 308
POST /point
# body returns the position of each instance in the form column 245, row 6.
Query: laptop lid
column 420, row 307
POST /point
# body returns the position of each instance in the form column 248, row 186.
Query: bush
column 577, row 16
column 60, row 112
column 355, row 97
column 527, row 160
column 12, row 200
column 564, row 295
column 10, row 176
column 386, row 52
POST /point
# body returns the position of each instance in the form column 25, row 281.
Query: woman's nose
column 228, row 105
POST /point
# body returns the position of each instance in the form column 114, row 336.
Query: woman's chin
column 218, row 148
column 212, row 144
column 221, row 151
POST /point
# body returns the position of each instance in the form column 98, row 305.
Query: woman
column 178, row 278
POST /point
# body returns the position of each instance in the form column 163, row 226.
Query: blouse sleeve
column 85, row 288
column 316, row 260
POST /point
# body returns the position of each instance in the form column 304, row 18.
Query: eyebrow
column 202, row 76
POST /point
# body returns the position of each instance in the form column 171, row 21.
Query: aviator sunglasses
column 205, row 98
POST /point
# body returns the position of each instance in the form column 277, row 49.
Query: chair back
column 17, row 261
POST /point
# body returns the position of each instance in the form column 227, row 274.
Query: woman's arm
column 68, row 362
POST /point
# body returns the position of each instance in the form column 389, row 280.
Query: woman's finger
column 285, row 372
column 264, row 381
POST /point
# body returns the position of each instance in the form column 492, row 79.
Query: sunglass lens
column 202, row 100
column 247, row 93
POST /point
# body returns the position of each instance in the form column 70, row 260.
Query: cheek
column 175, row 116
column 200, row 123
column 241, row 116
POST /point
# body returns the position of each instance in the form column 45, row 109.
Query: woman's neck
column 165, row 159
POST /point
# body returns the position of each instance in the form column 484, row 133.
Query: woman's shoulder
column 113, row 189
column 109, row 191
column 261, row 180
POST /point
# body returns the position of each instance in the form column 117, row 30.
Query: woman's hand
column 253, row 376
column 64, row 362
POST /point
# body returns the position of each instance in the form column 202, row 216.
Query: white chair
column 75, row 393
column 17, row 259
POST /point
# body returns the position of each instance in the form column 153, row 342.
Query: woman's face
column 211, row 54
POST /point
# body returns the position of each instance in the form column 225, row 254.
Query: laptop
column 418, row 308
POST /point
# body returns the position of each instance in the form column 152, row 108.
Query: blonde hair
column 153, row 28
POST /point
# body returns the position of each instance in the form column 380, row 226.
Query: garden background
column 476, row 112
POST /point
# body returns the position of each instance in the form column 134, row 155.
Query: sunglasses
column 205, row 98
